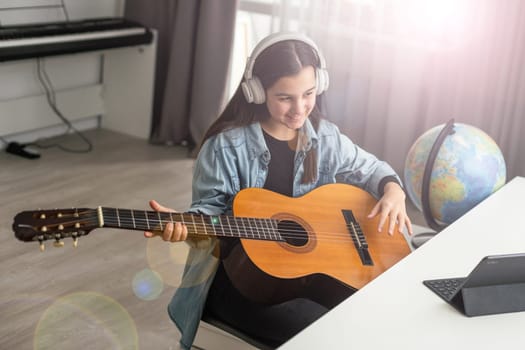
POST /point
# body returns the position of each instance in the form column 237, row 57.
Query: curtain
column 195, row 40
column 399, row 67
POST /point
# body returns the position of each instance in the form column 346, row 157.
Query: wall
column 24, row 112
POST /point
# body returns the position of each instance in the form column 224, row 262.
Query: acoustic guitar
column 319, row 246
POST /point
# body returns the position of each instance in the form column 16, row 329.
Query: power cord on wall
column 51, row 100
column 20, row 149
column 64, row 8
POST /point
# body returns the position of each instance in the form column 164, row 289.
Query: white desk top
column 396, row 311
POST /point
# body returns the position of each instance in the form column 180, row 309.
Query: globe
column 468, row 167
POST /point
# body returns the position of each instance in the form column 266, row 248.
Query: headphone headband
column 252, row 87
column 275, row 38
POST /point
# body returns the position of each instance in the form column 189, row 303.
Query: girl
column 271, row 135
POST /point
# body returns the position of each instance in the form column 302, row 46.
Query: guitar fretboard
column 197, row 224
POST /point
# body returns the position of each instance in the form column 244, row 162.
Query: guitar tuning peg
column 58, row 244
column 41, row 242
column 75, row 242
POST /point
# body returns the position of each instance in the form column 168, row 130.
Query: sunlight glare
column 439, row 22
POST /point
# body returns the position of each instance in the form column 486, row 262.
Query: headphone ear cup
column 323, row 81
column 253, row 91
column 247, row 92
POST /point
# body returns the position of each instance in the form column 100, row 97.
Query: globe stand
column 421, row 238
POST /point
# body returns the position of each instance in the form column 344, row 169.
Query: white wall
column 31, row 11
column 23, row 107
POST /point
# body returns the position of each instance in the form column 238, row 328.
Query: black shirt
column 281, row 167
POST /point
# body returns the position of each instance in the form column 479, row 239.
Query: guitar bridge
column 358, row 237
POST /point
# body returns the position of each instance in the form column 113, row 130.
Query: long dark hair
column 284, row 58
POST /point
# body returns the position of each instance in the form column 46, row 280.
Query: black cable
column 47, row 81
column 51, row 100
column 64, row 8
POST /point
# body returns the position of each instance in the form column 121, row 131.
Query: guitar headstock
column 56, row 224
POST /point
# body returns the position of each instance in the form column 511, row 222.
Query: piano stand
column 121, row 100
column 128, row 79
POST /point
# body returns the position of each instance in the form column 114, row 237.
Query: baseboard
column 51, row 131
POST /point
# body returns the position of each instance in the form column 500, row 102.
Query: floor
column 112, row 290
column 103, row 294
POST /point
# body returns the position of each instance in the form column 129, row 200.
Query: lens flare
column 147, row 285
column 167, row 259
column 85, row 317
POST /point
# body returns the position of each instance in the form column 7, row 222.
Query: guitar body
column 321, row 262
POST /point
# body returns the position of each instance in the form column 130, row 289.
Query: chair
column 216, row 334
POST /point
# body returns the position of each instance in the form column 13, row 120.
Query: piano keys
column 58, row 38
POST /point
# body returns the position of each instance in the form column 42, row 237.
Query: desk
column 396, row 311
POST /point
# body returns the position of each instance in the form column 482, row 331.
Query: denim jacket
column 238, row 159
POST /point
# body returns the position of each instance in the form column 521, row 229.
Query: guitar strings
column 290, row 233
column 262, row 233
column 139, row 223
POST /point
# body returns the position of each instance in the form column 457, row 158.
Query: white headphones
column 251, row 86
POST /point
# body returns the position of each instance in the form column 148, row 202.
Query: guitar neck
column 197, row 224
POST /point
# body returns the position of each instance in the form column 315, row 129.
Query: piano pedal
column 20, row 150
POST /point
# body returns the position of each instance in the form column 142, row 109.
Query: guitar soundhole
column 293, row 233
